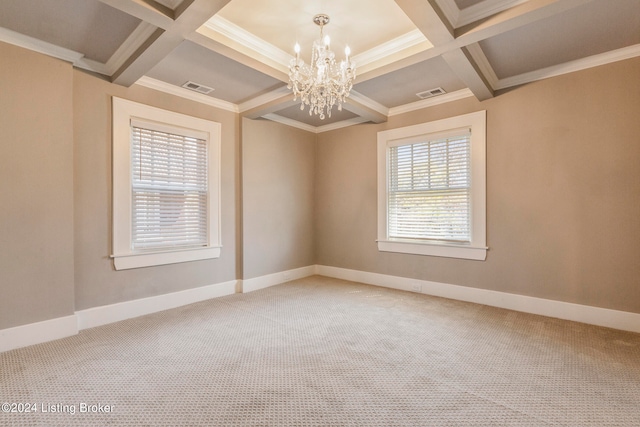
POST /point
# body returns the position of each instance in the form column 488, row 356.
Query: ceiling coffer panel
column 241, row 48
column 591, row 29
column 231, row 81
column 89, row 27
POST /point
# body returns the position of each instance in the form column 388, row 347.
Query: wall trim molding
column 261, row 282
column 615, row 319
column 430, row 102
column 62, row 327
column 570, row 67
column 103, row 315
column 181, row 92
column 290, row 122
column 39, row 332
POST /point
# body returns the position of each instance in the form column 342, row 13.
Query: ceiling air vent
column 197, row 87
column 431, row 92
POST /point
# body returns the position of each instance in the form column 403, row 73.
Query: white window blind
column 429, row 189
column 169, row 189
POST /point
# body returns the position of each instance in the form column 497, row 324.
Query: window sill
column 138, row 260
column 434, row 249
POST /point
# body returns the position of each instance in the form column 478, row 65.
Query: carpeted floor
column 325, row 352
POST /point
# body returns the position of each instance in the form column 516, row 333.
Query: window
column 166, row 178
column 432, row 188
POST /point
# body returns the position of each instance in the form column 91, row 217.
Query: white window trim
column 124, row 111
column 477, row 248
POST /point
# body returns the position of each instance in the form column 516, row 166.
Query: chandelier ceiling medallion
column 322, row 83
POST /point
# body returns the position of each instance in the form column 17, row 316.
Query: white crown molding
column 392, row 47
column 137, row 37
column 229, row 30
column 290, row 122
column 248, row 40
column 187, row 94
column 570, row 67
column 40, row 46
column 430, row 102
column 341, row 124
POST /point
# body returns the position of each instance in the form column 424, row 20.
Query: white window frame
column 124, row 112
column 476, row 249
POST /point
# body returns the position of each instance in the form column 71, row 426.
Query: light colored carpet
column 325, row 352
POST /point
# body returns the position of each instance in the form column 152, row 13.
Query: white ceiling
column 241, row 48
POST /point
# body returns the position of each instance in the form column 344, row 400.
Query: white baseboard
column 262, row 282
column 103, row 315
column 622, row 320
column 39, row 332
column 49, row 330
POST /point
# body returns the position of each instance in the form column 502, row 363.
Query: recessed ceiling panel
column 294, row 113
column 232, row 81
column 361, row 24
column 400, row 87
column 85, row 26
column 591, row 29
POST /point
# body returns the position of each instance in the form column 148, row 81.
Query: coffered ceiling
column 241, row 48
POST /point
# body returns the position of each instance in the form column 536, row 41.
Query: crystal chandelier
column 323, row 83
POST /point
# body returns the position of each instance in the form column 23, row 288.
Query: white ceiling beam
column 279, row 103
column 162, row 42
column 482, row 63
column 521, row 14
column 282, row 98
column 518, row 16
column 153, row 13
column 449, row 44
column 428, row 18
column 433, row 23
column 366, row 108
column 482, row 10
column 478, row 75
column 463, row 66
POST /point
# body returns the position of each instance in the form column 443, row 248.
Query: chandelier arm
column 323, row 83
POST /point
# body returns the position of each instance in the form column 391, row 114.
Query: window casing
column 432, row 188
column 166, row 186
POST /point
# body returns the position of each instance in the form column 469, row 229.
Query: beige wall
column 96, row 281
column 563, row 192
column 36, row 187
column 278, row 197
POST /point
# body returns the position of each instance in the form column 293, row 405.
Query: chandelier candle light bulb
column 322, row 83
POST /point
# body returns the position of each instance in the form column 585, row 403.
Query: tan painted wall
column 36, row 187
column 96, row 281
column 563, row 192
column 278, row 197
